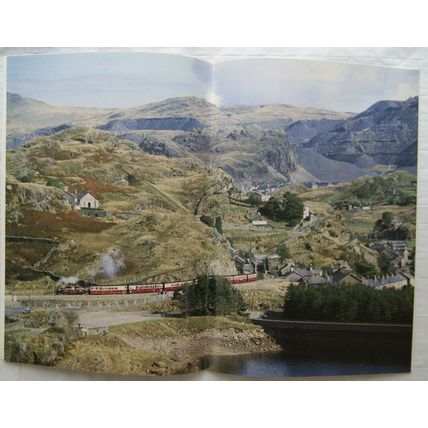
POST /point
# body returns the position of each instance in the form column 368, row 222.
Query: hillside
column 146, row 197
column 256, row 145
column 26, row 115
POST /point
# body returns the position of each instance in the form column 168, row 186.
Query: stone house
column 296, row 274
column 86, row 200
column 345, row 276
column 82, row 200
column 243, row 265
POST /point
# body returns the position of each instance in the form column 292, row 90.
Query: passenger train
column 160, row 287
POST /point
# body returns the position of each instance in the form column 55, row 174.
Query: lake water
column 286, row 364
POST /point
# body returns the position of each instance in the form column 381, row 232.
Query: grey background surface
column 414, row 58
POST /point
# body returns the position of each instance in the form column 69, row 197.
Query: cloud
column 406, row 90
column 213, row 98
column 321, row 84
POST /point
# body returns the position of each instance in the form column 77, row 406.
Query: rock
column 159, row 364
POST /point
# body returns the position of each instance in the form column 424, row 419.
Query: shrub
column 219, row 225
column 53, row 182
column 207, row 220
column 25, row 179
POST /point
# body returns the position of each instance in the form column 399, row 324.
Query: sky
column 133, row 79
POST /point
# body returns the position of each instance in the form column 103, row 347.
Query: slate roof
column 386, row 280
column 342, row 274
column 317, row 280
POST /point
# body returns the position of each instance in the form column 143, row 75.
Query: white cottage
column 86, row 200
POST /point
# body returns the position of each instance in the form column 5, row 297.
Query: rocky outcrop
column 155, row 123
column 19, row 140
column 386, row 133
column 148, row 144
column 303, row 131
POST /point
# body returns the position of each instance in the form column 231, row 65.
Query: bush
column 53, row 182
column 210, row 296
column 349, row 303
column 24, row 179
column 219, row 225
column 207, row 220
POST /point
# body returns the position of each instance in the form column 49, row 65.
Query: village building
column 286, row 267
column 306, row 213
column 82, row 200
column 243, row 265
column 396, row 251
column 345, row 276
column 317, row 184
column 317, row 280
column 259, row 223
column 296, row 274
column 396, row 280
column 85, row 203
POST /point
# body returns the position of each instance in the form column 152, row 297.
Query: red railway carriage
column 172, row 286
column 145, row 288
column 108, row 289
column 240, row 279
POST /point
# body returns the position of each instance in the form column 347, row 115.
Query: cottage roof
column 340, row 275
column 317, row 280
column 300, row 272
column 82, row 194
column 386, row 280
column 70, row 194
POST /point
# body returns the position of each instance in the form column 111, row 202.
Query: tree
column 385, row 262
column 210, row 296
column 71, row 319
column 387, row 218
column 254, row 199
column 283, row 252
column 219, row 225
column 289, row 208
column 349, row 303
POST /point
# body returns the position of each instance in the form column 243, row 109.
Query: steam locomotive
column 91, row 288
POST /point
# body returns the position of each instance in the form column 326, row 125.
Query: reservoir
column 288, row 364
column 323, row 349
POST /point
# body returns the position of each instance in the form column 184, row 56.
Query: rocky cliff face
column 14, row 142
column 148, row 144
column 155, row 123
column 386, row 133
column 303, row 131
